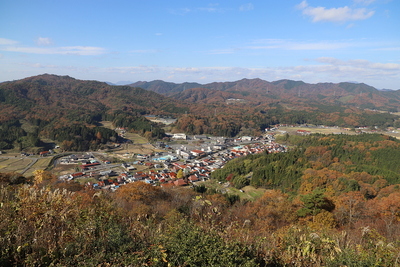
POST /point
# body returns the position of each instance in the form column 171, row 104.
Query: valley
column 260, row 171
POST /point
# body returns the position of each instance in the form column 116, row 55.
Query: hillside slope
column 50, row 96
column 68, row 111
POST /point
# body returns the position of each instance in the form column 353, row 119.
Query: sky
column 201, row 41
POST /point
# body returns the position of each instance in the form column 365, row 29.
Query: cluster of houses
column 174, row 173
column 80, row 158
column 86, row 161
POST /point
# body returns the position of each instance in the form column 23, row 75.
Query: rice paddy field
column 327, row 130
column 23, row 165
column 14, row 164
column 40, row 164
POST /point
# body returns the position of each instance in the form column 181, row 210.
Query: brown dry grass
column 316, row 130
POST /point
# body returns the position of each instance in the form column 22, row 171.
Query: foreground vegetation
column 333, row 201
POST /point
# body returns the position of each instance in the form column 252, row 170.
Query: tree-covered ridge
column 49, row 96
column 250, row 119
column 338, row 163
column 345, row 93
column 252, row 104
column 50, row 104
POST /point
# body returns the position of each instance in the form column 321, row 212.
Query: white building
column 181, row 136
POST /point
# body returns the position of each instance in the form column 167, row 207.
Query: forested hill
column 50, row 96
column 66, row 109
column 288, row 91
column 165, row 88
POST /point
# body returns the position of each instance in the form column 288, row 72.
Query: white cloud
column 282, row 44
column 145, row 51
column 179, row 11
column 246, row 7
column 44, row 41
column 208, row 9
column 340, row 14
column 14, row 46
column 396, row 48
column 364, row 2
column 4, row 41
column 359, row 63
column 67, row 50
column 222, row 51
column 302, row 5
column 41, row 66
column 376, row 74
column 212, row 8
column 293, row 45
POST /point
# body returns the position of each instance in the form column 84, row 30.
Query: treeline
column 232, row 120
column 78, row 137
column 339, row 162
column 74, row 135
column 136, row 123
column 12, row 135
column 218, row 126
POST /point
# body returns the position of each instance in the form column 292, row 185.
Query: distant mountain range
column 286, row 91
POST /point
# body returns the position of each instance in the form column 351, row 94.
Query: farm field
column 40, row 164
column 292, row 130
column 23, row 165
column 14, row 164
column 128, row 150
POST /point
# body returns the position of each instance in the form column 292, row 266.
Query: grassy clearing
column 61, row 169
column 28, row 127
column 136, row 139
column 128, row 150
column 346, row 99
column 249, row 192
column 107, row 124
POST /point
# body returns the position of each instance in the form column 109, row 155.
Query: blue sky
column 200, row 41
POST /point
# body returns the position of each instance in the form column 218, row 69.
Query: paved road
column 34, row 160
